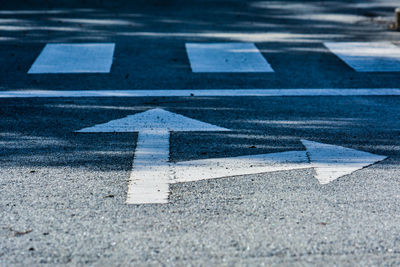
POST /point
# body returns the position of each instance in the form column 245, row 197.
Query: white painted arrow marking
column 152, row 172
column 330, row 162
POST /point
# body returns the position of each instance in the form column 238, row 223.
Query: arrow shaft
column 150, row 176
column 197, row 170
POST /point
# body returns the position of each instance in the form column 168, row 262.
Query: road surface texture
column 315, row 79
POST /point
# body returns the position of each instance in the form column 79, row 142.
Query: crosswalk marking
column 74, row 58
column 202, row 93
column 368, row 56
column 233, row 57
column 226, row 57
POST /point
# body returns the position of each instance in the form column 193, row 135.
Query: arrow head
column 331, row 162
column 154, row 120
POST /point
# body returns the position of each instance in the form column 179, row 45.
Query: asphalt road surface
column 175, row 133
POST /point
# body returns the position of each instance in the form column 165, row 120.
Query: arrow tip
column 331, row 162
column 153, row 120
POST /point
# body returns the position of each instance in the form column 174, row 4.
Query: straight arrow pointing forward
column 152, row 172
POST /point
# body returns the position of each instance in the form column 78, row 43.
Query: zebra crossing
column 212, row 57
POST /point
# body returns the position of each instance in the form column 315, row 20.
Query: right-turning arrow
column 329, row 162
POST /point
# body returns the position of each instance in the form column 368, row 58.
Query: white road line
column 74, row 58
column 226, row 57
column 205, row 92
column 368, row 56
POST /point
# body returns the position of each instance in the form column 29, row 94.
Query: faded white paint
column 368, row 56
column 74, row 58
column 226, row 57
column 200, row 92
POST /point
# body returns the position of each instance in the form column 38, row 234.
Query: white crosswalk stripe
column 74, row 58
column 368, row 56
column 226, row 57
